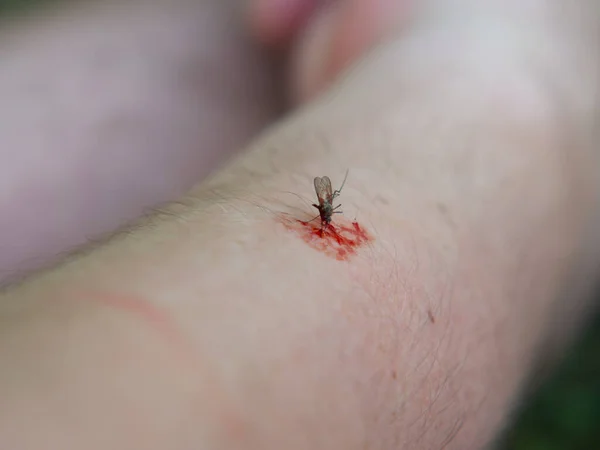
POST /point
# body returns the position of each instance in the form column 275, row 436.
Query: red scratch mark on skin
column 161, row 322
column 339, row 241
column 155, row 317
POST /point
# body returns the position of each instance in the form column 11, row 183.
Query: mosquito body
column 326, row 196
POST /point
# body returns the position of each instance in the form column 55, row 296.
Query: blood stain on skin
column 339, row 241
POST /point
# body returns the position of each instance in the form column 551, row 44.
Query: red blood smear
column 339, row 241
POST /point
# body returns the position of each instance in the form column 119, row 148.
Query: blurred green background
column 12, row 6
column 565, row 412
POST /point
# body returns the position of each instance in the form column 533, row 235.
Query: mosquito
column 326, row 196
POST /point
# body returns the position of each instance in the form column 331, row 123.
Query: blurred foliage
column 12, row 5
column 564, row 415
column 8, row 7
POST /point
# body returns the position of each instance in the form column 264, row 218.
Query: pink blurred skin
column 276, row 22
column 110, row 109
column 354, row 27
column 330, row 35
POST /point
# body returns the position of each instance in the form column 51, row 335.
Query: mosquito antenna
column 337, row 191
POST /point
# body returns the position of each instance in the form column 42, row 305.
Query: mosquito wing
column 323, row 189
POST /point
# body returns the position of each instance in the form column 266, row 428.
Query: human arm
column 212, row 324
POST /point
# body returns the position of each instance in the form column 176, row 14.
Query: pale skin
column 211, row 325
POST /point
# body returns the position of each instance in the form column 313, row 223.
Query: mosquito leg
column 324, row 226
column 316, row 217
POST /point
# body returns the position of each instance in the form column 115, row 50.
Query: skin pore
column 209, row 324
